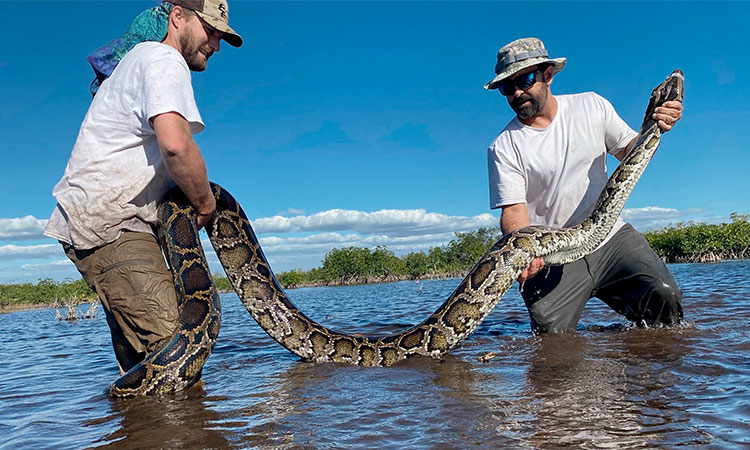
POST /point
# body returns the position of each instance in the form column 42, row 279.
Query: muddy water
column 603, row 386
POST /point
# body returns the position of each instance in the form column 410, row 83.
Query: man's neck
column 171, row 40
column 545, row 117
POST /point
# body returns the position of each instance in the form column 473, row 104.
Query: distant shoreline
column 378, row 280
column 16, row 307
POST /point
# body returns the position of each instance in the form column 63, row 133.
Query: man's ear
column 549, row 74
column 176, row 17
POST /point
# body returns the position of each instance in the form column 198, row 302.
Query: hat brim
column 557, row 64
column 230, row 35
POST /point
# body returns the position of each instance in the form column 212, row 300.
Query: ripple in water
column 606, row 385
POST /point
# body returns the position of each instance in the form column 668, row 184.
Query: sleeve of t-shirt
column 167, row 88
column 506, row 177
column 617, row 134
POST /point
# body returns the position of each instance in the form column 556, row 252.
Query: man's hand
column 203, row 219
column 536, row 265
column 668, row 114
column 515, row 217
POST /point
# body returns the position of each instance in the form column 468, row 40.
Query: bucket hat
column 216, row 14
column 520, row 54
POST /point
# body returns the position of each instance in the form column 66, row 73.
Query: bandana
column 150, row 25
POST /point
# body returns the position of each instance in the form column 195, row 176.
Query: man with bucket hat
column 548, row 167
column 134, row 144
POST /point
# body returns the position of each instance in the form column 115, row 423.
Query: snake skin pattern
column 178, row 363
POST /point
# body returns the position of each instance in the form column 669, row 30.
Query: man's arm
column 622, row 153
column 184, row 162
column 515, row 217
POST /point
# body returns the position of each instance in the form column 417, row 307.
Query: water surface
column 606, row 385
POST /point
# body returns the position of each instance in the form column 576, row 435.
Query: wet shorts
column 625, row 273
column 137, row 292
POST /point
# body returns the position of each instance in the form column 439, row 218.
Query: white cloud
column 65, row 263
column 655, row 217
column 22, row 228
column 12, row 251
column 314, row 239
column 31, row 272
column 390, row 222
column 291, row 212
column 650, row 212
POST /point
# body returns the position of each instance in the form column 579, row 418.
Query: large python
column 177, row 364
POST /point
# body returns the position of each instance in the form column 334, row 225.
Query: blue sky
column 358, row 123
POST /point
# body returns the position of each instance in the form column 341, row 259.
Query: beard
column 191, row 51
column 533, row 107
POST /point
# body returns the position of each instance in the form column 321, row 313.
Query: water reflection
column 605, row 389
column 259, row 417
column 577, row 396
column 183, row 420
column 480, row 405
column 425, row 402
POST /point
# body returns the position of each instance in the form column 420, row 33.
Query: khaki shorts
column 137, row 293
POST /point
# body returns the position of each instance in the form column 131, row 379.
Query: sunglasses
column 525, row 81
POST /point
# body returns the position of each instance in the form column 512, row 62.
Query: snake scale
column 177, row 364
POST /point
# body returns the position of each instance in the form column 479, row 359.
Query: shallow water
column 603, row 386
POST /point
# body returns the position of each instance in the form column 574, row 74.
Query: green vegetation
column 685, row 242
column 43, row 292
column 222, row 283
column 69, row 292
column 353, row 265
column 699, row 242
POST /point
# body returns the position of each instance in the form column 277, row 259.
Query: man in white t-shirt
column 134, row 144
column 548, row 167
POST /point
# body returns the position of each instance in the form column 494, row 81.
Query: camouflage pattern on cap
column 215, row 13
column 520, row 54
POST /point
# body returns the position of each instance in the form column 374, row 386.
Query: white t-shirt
column 116, row 176
column 558, row 171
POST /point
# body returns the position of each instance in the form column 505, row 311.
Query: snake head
column 669, row 89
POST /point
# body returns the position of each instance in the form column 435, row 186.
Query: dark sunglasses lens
column 525, row 81
column 506, row 87
column 528, row 80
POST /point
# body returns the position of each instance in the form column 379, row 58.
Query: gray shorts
column 137, row 293
column 625, row 273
